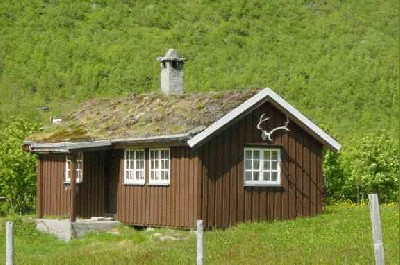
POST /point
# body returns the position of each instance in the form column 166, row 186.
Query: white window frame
column 262, row 170
column 78, row 168
column 134, row 175
column 163, row 168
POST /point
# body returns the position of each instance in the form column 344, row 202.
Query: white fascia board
column 65, row 147
column 228, row 117
column 82, row 145
column 171, row 137
column 333, row 144
column 251, row 102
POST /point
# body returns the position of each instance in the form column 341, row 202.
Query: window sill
column 69, row 183
column 263, row 185
column 158, row 184
column 134, row 183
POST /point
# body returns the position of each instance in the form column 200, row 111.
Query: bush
column 17, row 169
column 367, row 165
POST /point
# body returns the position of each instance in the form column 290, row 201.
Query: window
column 78, row 168
column 134, row 167
column 262, row 166
column 159, row 166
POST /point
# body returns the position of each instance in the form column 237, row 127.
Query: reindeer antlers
column 266, row 135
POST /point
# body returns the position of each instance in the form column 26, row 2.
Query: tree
column 17, row 168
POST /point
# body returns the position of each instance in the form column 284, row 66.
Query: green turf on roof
column 142, row 115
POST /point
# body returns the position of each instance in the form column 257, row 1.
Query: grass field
column 341, row 235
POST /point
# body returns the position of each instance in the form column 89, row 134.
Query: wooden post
column 72, row 215
column 39, row 194
column 376, row 229
column 9, row 243
column 200, row 236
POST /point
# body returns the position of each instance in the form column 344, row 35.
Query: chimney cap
column 171, row 55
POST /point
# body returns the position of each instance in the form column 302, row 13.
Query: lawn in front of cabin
column 341, row 235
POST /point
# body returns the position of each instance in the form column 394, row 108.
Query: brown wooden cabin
column 156, row 160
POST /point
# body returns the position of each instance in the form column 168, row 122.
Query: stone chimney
column 171, row 72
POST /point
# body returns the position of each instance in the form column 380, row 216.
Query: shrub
column 17, row 169
column 367, row 165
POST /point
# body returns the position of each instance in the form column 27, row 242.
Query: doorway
column 111, row 170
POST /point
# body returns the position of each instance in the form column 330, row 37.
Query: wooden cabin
column 168, row 159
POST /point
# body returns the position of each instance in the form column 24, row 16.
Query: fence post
column 376, row 229
column 9, row 243
column 200, row 235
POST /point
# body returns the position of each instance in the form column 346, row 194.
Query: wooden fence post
column 376, row 229
column 200, row 235
column 9, row 243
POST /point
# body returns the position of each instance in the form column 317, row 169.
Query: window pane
column 274, row 176
column 274, row 155
column 256, row 154
column 267, row 176
column 166, row 164
column 256, row 176
column 141, row 155
column 247, row 164
column 267, row 154
column 247, row 175
column 274, row 165
column 247, row 154
column 266, row 164
column 256, row 164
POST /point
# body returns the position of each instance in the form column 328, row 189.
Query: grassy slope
column 341, row 235
column 337, row 61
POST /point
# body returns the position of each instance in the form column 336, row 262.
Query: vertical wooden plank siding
column 226, row 201
column 205, row 183
column 173, row 205
column 55, row 194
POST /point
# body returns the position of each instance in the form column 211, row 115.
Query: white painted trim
column 228, row 118
column 262, row 169
column 263, row 95
column 67, row 178
column 134, row 181
column 171, row 137
column 160, row 182
column 65, row 147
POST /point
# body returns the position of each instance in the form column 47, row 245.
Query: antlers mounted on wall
column 266, row 135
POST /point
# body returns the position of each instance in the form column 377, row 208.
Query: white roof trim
column 251, row 102
column 65, row 147
column 171, row 137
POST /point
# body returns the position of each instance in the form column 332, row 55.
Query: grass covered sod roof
column 142, row 115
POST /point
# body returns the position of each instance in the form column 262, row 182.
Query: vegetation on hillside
column 342, row 235
column 336, row 61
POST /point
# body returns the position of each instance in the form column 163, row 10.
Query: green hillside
column 337, row 61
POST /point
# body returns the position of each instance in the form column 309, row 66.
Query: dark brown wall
column 54, row 196
column 174, row 205
column 225, row 200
